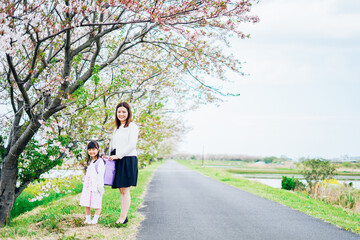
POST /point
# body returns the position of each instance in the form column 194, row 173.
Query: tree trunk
column 9, row 171
column 7, row 187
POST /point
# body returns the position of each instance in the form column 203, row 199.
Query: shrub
column 316, row 170
column 292, row 183
column 347, row 200
column 333, row 192
column 288, row 183
column 269, row 159
column 299, row 186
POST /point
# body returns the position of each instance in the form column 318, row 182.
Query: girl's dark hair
column 128, row 119
column 92, row 144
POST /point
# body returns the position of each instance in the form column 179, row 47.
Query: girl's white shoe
column 95, row 219
column 87, row 219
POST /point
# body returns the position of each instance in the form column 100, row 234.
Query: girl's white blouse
column 96, row 178
column 124, row 140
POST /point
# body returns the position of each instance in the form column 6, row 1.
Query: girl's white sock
column 95, row 219
column 87, row 219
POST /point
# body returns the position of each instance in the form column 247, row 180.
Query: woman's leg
column 125, row 203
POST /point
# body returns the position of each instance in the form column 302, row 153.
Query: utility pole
column 202, row 157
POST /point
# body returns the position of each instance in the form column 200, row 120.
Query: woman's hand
column 113, row 157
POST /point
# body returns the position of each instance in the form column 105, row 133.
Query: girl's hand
column 101, row 190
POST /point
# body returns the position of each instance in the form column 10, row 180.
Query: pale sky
column 302, row 93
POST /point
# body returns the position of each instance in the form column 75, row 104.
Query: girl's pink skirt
column 89, row 198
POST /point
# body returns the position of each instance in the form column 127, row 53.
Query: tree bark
column 8, row 187
column 9, row 170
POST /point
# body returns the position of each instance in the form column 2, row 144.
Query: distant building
column 345, row 158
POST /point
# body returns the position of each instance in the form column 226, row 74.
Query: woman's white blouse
column 124, row 140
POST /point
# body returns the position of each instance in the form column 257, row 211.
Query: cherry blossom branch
column 90, row 41
column 121, row 49
column 21, row 88
column 205, row 85
column 190, row 73
column 11, row 92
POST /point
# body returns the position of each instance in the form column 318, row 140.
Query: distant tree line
column 230, row 157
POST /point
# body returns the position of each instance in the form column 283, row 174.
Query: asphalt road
column 183, row 204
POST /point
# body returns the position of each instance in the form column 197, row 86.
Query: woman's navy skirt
column 126, row 172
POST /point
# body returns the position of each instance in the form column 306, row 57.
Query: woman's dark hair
column 92, row 144
column 128, row 119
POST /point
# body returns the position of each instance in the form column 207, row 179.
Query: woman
column 123, row 151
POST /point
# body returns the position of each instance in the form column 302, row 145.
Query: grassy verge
column 242, row 167
column 300, row 201
column 263, row 171
column 63, row 218
column 279, row 171
column 65, row 186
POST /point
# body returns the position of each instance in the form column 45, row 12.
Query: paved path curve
column 183, row 204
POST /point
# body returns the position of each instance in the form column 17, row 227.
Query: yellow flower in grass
column 331, row 181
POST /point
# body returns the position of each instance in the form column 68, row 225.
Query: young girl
column 93, row 186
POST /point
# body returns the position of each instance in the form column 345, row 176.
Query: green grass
column 22, row 203
column 63, row 218
column 300, row 201
column 226, row 162
column 244, row 167
column 263, row 171
column 278, row 171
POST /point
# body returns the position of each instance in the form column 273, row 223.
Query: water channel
column 274, row 180
column 61, row 173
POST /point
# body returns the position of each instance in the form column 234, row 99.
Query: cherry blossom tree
column 55, row 55
column 157, row 108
